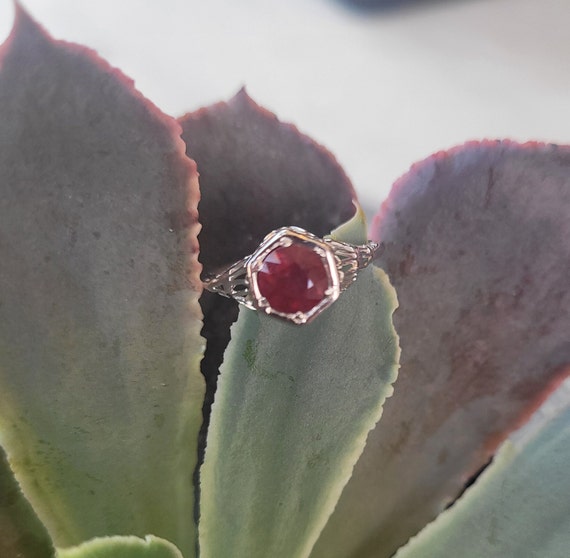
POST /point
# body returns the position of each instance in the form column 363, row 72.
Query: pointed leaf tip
column 23, row 26
column 258, row 174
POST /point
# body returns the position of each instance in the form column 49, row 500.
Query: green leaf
column 291, row 415
column 21, row 533
column 256, row 174
column 99, row 319
column 122, row 547
column 518, row 507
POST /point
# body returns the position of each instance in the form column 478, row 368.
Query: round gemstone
column 293, row 278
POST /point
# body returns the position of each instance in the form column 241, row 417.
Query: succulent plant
column 135, row 423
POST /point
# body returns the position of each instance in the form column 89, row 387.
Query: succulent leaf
column 256, row 174
column 122, row 547
column 21, row 533
column 99, row 315
column 290, row 418
column 518, row 507
column 477, row 247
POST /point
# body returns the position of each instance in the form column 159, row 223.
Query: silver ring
column 293, row 275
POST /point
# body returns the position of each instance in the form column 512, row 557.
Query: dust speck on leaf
column 250, row 353
column 159, row 420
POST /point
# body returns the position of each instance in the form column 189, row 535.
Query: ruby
column 293, row 278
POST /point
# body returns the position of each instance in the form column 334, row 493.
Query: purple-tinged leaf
column 256, row 175
column 478, row 247
column 99, row 318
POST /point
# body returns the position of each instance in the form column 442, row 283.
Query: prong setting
column 287, row 237
column 293, row 275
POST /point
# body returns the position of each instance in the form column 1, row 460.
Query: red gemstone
column 293, row 278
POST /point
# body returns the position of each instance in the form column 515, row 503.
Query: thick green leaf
column 99, row 319
column 477, row 247
column 518, row 507
column 256, row 174
column 21, row 533
column 122, row 547
column 291, row 415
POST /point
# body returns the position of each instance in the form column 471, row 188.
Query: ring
column 293, row 274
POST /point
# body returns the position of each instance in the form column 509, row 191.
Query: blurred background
column 381, row 84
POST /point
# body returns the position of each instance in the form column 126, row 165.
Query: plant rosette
column 142, row 416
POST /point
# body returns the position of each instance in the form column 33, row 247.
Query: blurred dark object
column 387, row 5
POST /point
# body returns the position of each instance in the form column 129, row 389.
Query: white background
column 381, row 91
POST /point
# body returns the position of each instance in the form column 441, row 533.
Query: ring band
column 293, row 274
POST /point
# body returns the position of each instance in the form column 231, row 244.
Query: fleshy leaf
column 291, row 416
column 99, row 319
column 518, row 507
column 256, row 174
column 122, row 547
column 477, row 247
column 21, row 533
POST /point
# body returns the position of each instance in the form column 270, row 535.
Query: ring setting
column 293, row 274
